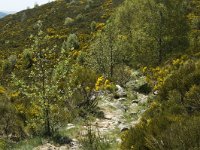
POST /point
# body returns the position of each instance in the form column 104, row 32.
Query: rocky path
column 119, row 114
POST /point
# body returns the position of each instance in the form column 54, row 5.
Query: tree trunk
column 47, row 124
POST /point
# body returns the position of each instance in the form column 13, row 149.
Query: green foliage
column 42, row 89
column 106, row 54
column 27, row 58
column 94, row 141
column 9, row 64
column 91, row 4
column 68, row 21
column 6, row 67
column 10, row 122
column 152, row 30
column 3, row 144
column 80, row 17
column 184, row 82
column 192, row 97
column 195, row 26
column 72, row 42
column 50, row 87
column 57, row 138
column 93, row 25
column 122, row 75
column 181, row 135
column 83, row 83
column 17, row 37
column 133, row 139
column 174, row 117
column 26, row 144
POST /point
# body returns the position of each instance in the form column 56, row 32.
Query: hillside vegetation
column 59, row 61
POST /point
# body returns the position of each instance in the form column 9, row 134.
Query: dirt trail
column 119, row 115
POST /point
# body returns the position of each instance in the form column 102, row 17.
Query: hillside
column 101, row 75
column 15, row 30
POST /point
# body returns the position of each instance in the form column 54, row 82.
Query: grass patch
column 28, row 144
column 95, row 141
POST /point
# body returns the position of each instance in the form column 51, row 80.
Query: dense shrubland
column 174, row 116
column 171, row 122
column 51, row 73
column 44, row 82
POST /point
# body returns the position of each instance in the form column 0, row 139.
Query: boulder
column 120, row 92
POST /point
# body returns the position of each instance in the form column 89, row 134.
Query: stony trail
column 120, row 114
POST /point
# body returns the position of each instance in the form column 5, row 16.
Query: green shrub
column 72, row 42
column 134, row 139
column 80, row 17
column 58, row 138
column 182, row 86
column 171, row 122
column 27, row 144
column 3, row 144
column 10, row 121
column 122, row 75
column 94, row 141
column 6, row 67
column 27, row 58
column 183, row 135
column 9, row 64
column 93, row 25
column 68, row 21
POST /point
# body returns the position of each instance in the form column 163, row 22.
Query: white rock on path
column 120, row 91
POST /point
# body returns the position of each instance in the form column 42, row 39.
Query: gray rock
column 120, row 92
column 124, row 127
column 143, row 99
column 118, row 140
column 122, row 99
column 133, row 105
column 142, row 111
column 70, row 126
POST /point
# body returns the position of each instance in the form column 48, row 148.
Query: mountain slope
column 15, row 30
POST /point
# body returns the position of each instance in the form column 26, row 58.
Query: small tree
column 27, row 58
column 154, row 29
column 68, row 21
column 106, row 51
column 43, row 88
column 72, row 42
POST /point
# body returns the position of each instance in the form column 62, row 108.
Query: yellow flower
column 144, row 69
column 15, row 94
column 107, row 82
column 99, row 84
column 34, row 59
column 2, row 90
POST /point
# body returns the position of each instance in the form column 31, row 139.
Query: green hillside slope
column 15, row 30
